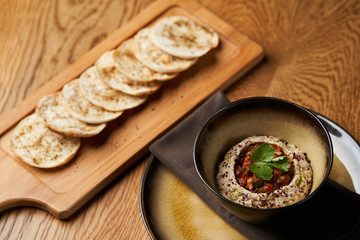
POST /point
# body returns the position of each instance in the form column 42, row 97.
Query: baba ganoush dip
column 240, row 181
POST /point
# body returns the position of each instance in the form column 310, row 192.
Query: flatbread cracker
column 41, row 147
column 132, row 68
column 153, row 57
column 106, row 68
column 80, row 108
column 56, row 117
column 183, row 37
column 98, row 93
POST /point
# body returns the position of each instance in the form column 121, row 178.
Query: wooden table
column 312, row 58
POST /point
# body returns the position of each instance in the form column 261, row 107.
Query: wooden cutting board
column 64, row 190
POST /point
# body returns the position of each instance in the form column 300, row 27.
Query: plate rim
column 142, row 196
column 152, row 159
column 321, row 117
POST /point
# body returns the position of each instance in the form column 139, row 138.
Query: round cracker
column 153, row 57
column 80, row 108
column 52, row 110
column 40, row 147
column 132, row 68
column 99, row 94
column 183, row 37
column 106, row 68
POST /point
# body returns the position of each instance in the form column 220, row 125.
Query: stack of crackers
column 120, row 79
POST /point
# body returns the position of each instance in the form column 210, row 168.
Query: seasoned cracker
column 108, row 72
column 132, row 68
column 41, row 147
column 99, row 94
column 183, row 37
column 56, row 117
column 80, row 108
column 153, row 57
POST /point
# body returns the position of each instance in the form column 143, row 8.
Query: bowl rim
column 272, row 99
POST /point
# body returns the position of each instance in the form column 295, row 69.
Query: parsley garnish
column 263, row 161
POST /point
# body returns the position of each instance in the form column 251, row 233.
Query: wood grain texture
column 47, row 36
column 63, row 190
column 312, row 58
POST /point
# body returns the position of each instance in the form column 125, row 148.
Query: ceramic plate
column 170, row 210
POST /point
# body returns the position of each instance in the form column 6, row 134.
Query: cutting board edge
column 54, row 205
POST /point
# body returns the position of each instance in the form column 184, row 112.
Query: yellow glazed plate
column 170, row 210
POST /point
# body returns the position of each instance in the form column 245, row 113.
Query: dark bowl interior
column 261, row 116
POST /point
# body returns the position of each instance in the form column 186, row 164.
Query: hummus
column 293, row 186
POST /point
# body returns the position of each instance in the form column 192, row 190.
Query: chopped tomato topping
column 251, row 182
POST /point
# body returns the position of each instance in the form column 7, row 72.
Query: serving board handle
column 63, row 191
column 22, row 188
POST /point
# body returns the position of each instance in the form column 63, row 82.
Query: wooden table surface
column 312, row 58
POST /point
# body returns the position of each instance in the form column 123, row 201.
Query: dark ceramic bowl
column 261, row 116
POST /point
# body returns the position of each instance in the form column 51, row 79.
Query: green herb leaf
column 263, row 161
column 282, row 165
column 261, row 170
column 263, row 153
column 278, row 158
